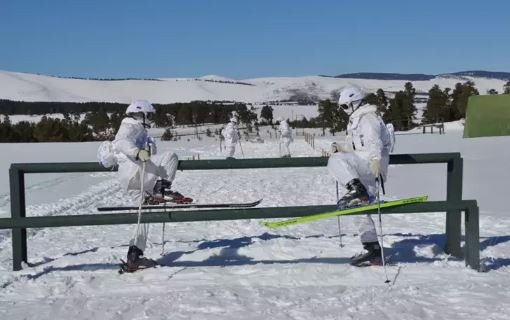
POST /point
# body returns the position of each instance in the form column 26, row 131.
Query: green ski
column 395, row 203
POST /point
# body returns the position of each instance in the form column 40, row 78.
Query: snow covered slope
column 30, row 87
column 239, row 269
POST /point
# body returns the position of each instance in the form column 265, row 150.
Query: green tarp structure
column 487, row 116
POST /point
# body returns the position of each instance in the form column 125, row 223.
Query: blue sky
column 244, row 39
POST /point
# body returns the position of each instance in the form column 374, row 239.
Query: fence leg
column 472, row 238
column 453, row 217
column 19, row 235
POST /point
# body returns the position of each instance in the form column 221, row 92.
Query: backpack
column 391, row 134
column 106, row 154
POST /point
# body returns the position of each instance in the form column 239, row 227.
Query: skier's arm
column 372, row 136
column 124, row 141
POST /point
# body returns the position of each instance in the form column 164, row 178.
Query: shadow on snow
column 402, row 251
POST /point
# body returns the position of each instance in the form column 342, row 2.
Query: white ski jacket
column 285, row 130
column 368, row 136
column 131, row 137
column 231, row 133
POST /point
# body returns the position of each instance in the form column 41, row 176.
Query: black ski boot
column 162, row 190
column 136, row 261
column 370, row 257
column 356, row 195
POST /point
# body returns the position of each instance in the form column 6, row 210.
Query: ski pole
column 241, row 146
column 142, row 175
column 338, row 218
column 280, row 146
column 380, row 229
column 163, row 240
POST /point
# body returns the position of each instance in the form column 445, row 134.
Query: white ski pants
column 285, row 141
column 231, row 149
column 162, row 166
column 346, row 166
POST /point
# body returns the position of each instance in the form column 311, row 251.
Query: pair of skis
column 288, row 222
column 166, row 206
column 276, row 224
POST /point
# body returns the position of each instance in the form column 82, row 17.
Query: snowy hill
column 30, row 87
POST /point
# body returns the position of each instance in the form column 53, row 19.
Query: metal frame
column 453, row 205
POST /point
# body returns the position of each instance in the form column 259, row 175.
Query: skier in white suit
column 285, row 136
column 231, row 135
column 133, row 147
column 359, row 162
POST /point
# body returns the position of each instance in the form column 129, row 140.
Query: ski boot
column 162, row 190
column 370, row 257
column 356, row 195
column 152, row 200
column 136, row 261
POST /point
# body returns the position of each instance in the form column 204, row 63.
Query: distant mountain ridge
column 17, row 86
column 424, row 77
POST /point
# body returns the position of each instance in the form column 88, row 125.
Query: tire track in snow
column 84, row 203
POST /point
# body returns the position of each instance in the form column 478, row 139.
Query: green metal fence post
column 472, row 237
column 453, row 217
column 19, row 235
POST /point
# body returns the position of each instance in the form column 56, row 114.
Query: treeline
column 400, row 110
column 103, row 124
column 449, row 105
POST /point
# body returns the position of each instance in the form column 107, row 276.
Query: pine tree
column 267, row 113
column 460, row 96
column 378, row 99
column 327, row 111
column 401, row 110
column 436, row 105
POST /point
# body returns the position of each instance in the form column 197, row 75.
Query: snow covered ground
column 31, row 87
column 239, row 269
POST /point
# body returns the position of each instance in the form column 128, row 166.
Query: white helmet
column 141, row 110
column 143, row 106
column 351, row 96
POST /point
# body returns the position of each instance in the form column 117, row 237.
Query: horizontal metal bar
column 210, row 215
column 256, row 163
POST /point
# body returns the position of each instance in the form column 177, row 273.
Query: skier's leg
column 164, row 165
column 368, row 237
column 140, row 240
column 345, row 168
column 367, row 232
column 287, row 143
column 342, row 166
column 231, row 149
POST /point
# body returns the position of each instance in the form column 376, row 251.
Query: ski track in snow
column 241, row 270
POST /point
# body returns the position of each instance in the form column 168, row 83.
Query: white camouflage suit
column 231, row 135
column 285, row 135
column 131, row 137
column 367, row 139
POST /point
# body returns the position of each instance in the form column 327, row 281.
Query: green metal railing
column 453, row 206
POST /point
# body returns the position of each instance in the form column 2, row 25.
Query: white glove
column 143, row 155
column 375, row 167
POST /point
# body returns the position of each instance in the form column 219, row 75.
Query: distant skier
column 231, row 135
column 359, row 162
column 285, row 136
column 133, row 146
